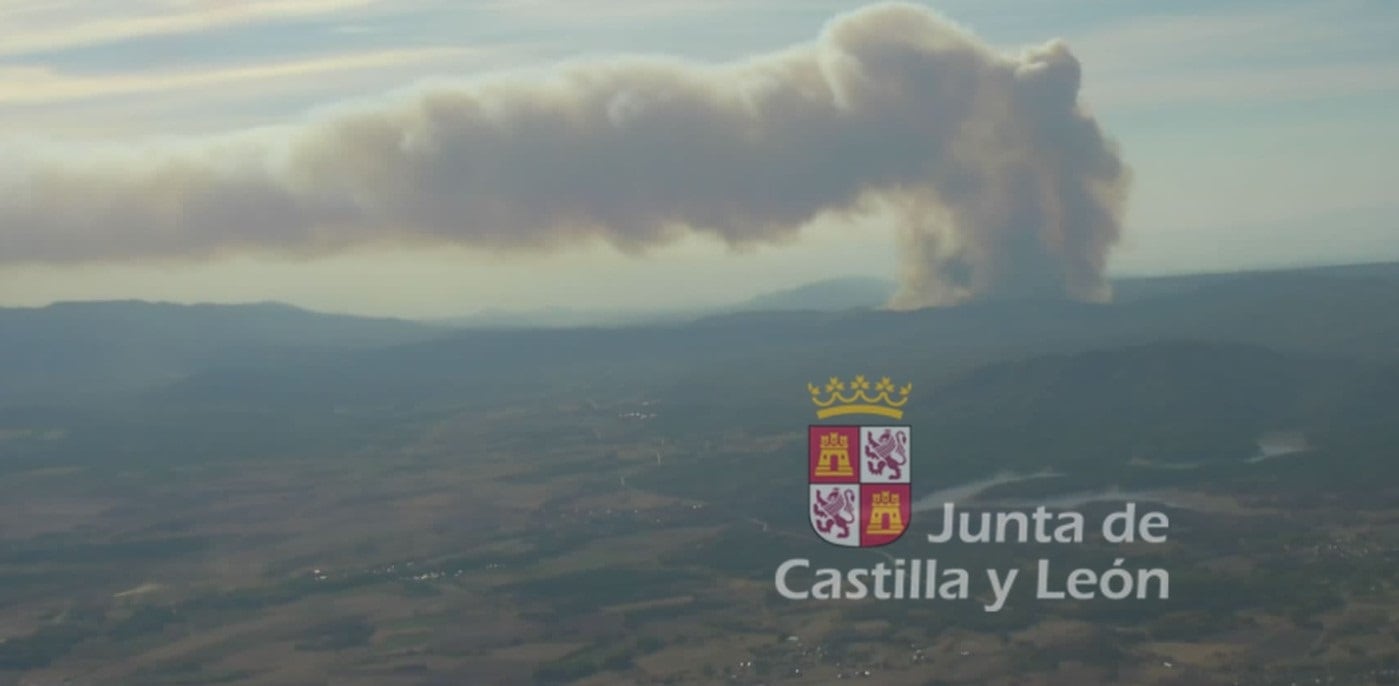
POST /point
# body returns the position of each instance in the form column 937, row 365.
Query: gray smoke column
column 1001, row 183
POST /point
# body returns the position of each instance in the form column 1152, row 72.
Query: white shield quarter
column 885, row 453
column 834, row 511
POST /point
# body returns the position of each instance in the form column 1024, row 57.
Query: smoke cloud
column 1002, row 185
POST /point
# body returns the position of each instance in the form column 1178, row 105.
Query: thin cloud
column 574, row 10
column 42, row 85
column 30, row 30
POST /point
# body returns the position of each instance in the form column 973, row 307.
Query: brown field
column 462, row 557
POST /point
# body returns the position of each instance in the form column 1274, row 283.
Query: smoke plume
column 1001, row 183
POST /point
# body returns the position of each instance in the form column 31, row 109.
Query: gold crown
column 858, row 400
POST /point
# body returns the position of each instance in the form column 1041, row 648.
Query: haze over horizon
column 1197, row 101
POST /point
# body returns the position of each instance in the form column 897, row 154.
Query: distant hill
column 859, row 292
column 869, row 292
column 699, row 367
column 1127, row 289
column 828, row 295
column 831, row 294
column 1191, row 373
column 562, row 318
column 269, row 349
column 97, row 347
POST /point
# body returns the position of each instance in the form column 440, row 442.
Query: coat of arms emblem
column 859, row 475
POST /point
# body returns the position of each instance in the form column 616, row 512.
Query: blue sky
column 1259, row 133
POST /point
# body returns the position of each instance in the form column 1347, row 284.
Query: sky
column 1257, row 134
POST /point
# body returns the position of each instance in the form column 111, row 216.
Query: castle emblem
column 858, row 475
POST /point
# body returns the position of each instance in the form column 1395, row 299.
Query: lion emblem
column 889, row 451
column 836, row 510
